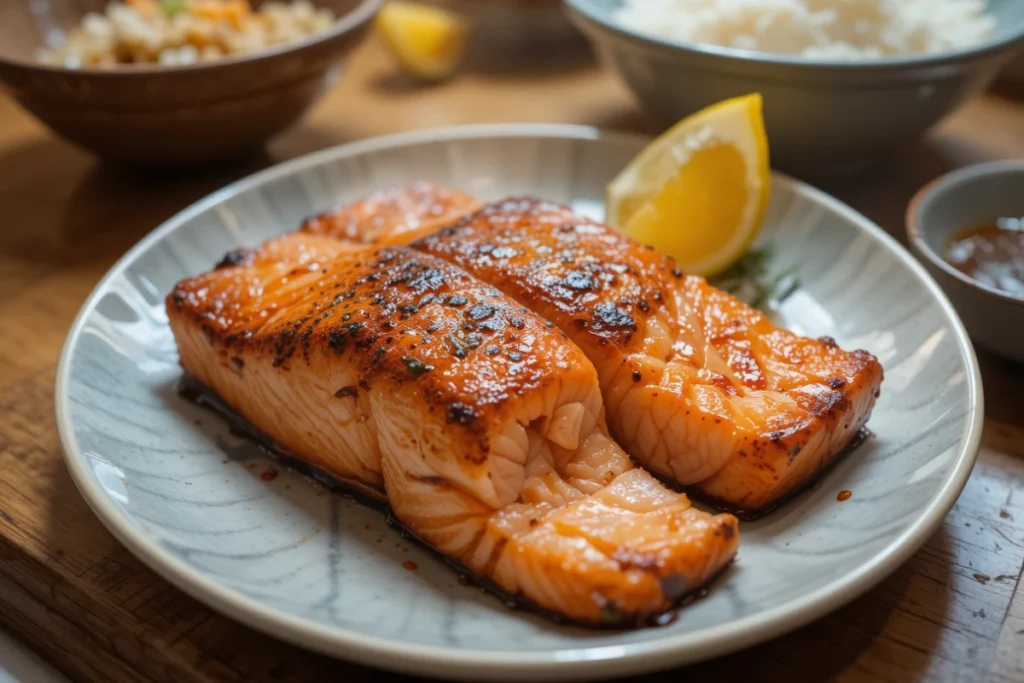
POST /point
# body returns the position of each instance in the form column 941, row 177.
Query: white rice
column 821, row 29
column 125, row 35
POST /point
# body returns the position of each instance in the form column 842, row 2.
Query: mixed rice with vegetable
column 182, row 32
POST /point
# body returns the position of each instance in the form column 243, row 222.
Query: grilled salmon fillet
column 699, row 387
column 481, row 423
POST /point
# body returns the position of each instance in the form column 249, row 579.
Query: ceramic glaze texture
column 288, row 557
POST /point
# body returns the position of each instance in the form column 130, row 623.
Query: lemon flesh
column 427, row 41
column 699, row 192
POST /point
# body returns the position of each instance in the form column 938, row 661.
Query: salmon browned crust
column 395, row 216
column 481, row 423
column 699, row 387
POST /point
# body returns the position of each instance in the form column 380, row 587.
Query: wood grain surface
column 954, row 612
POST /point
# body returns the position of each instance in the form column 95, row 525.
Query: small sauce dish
column 967, row 228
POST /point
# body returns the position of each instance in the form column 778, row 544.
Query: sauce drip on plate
column 992, row 254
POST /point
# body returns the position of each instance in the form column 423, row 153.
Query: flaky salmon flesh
column 699, row 387
column 481, row 423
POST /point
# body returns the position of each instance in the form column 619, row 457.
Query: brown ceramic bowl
column 171, row 116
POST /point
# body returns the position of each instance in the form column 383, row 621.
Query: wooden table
column 955, row 612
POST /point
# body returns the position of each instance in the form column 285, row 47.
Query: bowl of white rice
column 845, row 82
column 174, row 83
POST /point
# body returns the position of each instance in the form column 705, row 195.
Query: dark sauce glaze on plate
column 991, row 254
column 194, row 391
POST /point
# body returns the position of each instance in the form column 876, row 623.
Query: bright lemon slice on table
column 699, row 192
column 427, row 41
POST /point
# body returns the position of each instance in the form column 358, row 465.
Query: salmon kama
column 480, row 423
column 699, row 387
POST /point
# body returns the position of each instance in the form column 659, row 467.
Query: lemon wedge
column 428, row 41
column 698, row 193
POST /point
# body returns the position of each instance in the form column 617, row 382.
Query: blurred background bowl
column 505, row 25
column 160, row 116
column 823, row 117
column 969, row 197
column 1013, row 72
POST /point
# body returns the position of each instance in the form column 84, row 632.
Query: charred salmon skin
column 699, row 387
column 481, row 424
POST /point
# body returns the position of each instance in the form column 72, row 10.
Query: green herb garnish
column 172, row 7
column 416, row 366
column 750, row 280
column 611, row 614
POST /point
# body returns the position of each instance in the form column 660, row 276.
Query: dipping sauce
column 992, row 254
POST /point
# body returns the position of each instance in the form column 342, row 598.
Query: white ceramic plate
column 286, row 557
